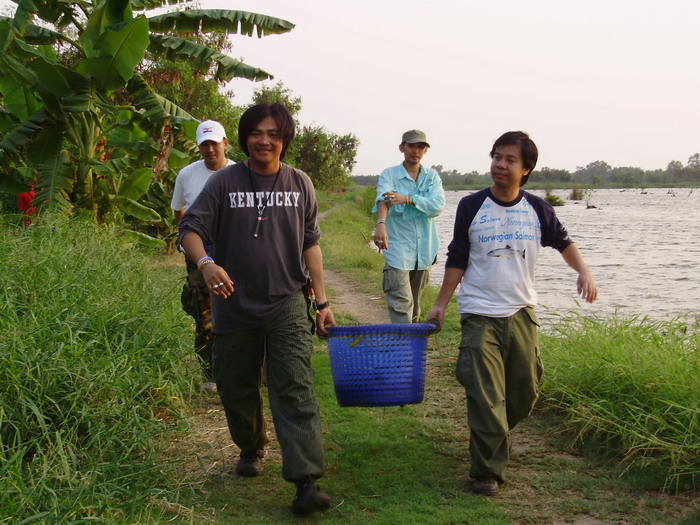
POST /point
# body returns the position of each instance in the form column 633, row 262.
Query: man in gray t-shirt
column 261, row 215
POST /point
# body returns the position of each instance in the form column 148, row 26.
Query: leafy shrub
column 576, row 194
column 554, row 200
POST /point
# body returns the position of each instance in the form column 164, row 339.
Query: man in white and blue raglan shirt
column 409, row 197
column 212, row 143
column 498, row 233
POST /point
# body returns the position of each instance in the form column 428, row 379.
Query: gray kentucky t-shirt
column 268, row 269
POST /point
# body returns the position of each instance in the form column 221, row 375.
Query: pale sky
column 611, row 80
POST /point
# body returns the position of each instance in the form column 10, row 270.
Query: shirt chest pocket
column 424, row 189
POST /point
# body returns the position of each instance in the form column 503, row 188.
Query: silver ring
column 221, row 284
column 214, row 285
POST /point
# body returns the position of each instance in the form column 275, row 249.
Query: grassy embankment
column 409, row 464
column 92, row 362
column 97, row 369
column 629, row 386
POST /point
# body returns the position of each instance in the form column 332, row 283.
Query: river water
column 640, row 247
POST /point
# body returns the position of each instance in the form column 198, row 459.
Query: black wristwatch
column 319, row 307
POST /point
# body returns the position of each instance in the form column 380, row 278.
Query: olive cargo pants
column 200, row 309
column 499, row 365
column 285, row 344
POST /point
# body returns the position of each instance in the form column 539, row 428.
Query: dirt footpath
column 347, row 300
column 209, row 434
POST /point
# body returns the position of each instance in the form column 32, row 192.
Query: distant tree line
column 601, row 173
column 598, row 173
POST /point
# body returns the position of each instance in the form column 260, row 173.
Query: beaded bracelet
column 203, row 261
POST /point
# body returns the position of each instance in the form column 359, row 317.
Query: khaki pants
column 499, row 365
column 403, row 289
column 285, row 344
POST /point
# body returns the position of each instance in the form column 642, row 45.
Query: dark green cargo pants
column 285, row 344
column 499, row 365
column 197, row 302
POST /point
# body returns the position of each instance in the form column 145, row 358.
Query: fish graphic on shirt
column 506, row 253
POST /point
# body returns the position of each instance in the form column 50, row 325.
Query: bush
column 576, row 194
column 554, row 200
column 369, row 196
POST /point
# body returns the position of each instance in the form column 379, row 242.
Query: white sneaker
column 209, row 386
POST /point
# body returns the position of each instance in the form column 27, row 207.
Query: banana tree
column 78, row 116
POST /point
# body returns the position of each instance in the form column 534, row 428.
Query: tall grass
column 630, row 387
column 95, row 367
column 347, row 238
column 94, row 356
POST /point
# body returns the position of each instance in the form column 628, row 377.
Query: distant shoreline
column 365, row 181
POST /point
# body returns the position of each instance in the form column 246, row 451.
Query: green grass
column 97, row 378
column 381, row 469
column 92, row 364
column 346, row 237
column 630, row 388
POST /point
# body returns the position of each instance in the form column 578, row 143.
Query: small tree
column 326, row 157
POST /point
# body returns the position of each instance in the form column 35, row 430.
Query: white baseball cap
column 210, row 130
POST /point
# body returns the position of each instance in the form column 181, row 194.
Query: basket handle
column 436, row 325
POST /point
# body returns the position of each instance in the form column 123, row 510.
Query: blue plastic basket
column 379, row 365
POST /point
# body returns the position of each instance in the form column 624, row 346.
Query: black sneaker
column 309, row 498
column 487, row 485
column 249, row 465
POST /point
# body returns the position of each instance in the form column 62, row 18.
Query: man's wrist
column 320, row 306
column 201, row 263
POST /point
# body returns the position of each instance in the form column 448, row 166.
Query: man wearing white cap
column 212, row 142
column 409, row 197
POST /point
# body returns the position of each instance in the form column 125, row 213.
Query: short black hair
column 528, row 149
column 255, row 114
